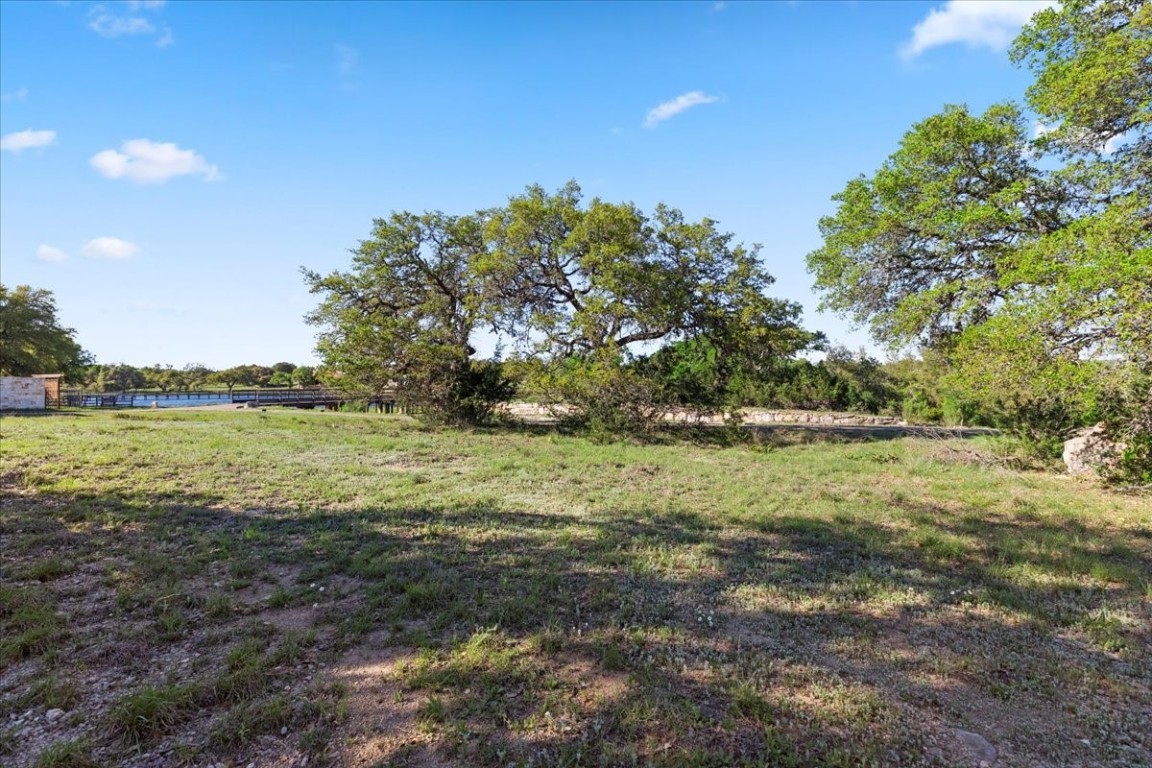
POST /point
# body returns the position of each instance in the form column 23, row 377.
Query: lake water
column 144, row 401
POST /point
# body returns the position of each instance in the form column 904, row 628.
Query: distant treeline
column 686, row 373
column 120, row 377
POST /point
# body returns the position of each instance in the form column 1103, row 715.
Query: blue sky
column 167, row 168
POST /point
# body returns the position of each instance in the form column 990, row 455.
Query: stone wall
column 19, row 393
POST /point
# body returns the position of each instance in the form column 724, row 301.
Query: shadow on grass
column 43, row 413
column 666, row 639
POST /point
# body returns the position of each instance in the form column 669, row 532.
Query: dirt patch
column 382, row 723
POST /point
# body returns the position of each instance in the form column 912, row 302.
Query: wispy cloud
column 128, row 19
column 21, row 140
column 673, row 107
column 151, row 162
column 19, row 94
column 988, row 23
column 347, row 59
column 50, row 253
column 108, row 24
column 110, row 248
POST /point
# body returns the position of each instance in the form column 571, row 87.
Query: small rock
column 284, row 731
column 53, row 715
column 979, row 746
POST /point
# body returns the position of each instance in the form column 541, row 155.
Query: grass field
column 249, row 588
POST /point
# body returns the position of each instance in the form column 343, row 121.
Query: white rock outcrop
column 1090, row 450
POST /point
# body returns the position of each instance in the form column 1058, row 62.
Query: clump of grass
column 1106, row 630
column 170, row 623
column 282, row 598
column 219, row 607
column 153, row 711
column 31, row 625
column 433, row 711
column 49, row 692
column 67, row 754
column 243, row 723
column 425, row 595
column 49, row 569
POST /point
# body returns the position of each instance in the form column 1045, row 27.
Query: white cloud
column 131, row 18
column 50, row 253
column 151, row 162
column 108, row 24
column 1114, row 143
column 1109, row 146
column 19, row 94
column 110, row 248
column 347, row 59
column 990, row 23
column 673, row 107
column 29, row 139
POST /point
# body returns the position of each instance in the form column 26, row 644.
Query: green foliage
column 567, row 279
column 401, row 320
column 604, row 396
column 576, row 288
column 31, row 337
column 117, row 377
column 1035, row 285
column 917, row 250
column 686, row 373
column 304, row 376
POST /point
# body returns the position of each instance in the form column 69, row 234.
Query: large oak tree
column 1027, row 261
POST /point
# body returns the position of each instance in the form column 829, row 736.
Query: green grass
column 66, row 754
column 361, row 589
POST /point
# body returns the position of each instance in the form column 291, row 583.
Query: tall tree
column 580, row 280
column 920, row 250
column 584, row 288
column 32, row 340
column 402, row 318
column 1036, row 283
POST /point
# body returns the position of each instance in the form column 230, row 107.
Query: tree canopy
column 1026, row 260
column 578, row 289
column 32, row 340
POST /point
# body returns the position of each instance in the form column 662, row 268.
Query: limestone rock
column 1090, row 450
column 979, row 746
